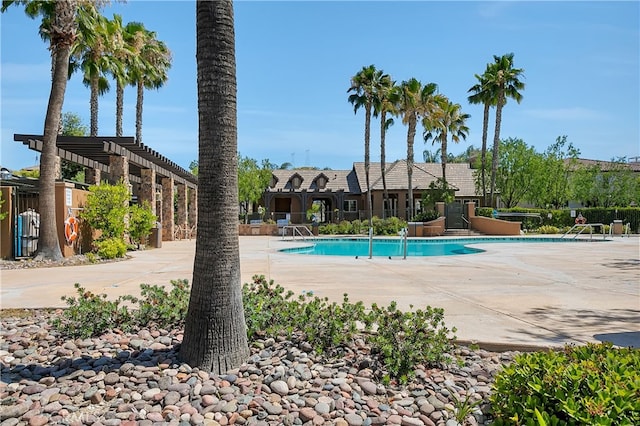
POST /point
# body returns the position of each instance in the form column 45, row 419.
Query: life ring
column 71, row 229
column 581, row 220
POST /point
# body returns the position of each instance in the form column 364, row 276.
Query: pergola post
column 119, row 168
column 167, row 209
column 92, row 176
column 181, row 212
column 148, row 188
column 193, row 207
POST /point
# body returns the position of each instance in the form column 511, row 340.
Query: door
column 453, row 213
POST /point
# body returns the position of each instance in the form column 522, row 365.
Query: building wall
column 5, row 225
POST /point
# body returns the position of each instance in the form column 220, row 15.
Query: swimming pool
column 394, row 247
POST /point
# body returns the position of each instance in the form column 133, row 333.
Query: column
column 167, row 209
column 193, row 207
column 181, row 212
column 148, row 188
column 92, row 176
column 119, row 169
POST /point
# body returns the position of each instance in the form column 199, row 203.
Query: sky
column 295, row 60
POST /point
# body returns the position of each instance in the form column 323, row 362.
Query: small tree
column 106, row 208
column 439, row 191
column 252, row 180
column 141, row 220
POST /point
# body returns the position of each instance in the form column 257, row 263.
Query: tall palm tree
column 386, row 101
column 416, row 101
column 215, row 337
column 448, row 119
column 363, row 86
column 482, row 94
column 91, row 54
column 150, row 72
column 122, row 55
column 504, row 79
column 62, row 26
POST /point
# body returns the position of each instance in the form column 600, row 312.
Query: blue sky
column 295, row 60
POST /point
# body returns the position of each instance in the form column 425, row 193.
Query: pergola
column 134, row 163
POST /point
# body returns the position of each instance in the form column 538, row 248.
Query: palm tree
column 482, row 94
column 122, row 52
column 60, row 21
column 415, row 101
column 150, row 71
column 215, row 337
column 363, row 86
column 92, row 55
column 386, row 101
column 505, row 83
column 448, row 119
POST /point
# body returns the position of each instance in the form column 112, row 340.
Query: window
column 350, row 205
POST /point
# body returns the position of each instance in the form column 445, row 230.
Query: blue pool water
column 394, row 247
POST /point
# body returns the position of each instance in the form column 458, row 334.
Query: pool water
column 395, row 247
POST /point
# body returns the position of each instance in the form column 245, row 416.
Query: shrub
column 426, row 216
column 105, row 209
column 141, row 220
column 405, row 339
column 91, row 315
column 111, row 248
column 548, row 229
column 590, row 384
column 157, row 306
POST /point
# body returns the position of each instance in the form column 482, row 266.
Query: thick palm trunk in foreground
column 215, row 336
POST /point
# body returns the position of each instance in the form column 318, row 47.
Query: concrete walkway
column 511, row 295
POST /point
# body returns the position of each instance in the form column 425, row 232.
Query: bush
column 548, row 229
column 111, row 248
column 586, row 385
column 426, row 216
column 405, row 339
column 105, row 209
column 141, row 220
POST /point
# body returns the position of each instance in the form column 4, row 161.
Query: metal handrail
column 584, row 226
column 295, row 229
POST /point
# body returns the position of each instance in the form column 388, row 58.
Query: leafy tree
column 604, row 184
column 415, row 102
column 364, row 86
column 193, row 167
column 447, row 119
column 252, row 180
column 518, row 166
column 72, row 125
column 215, row 336
column 550, row 187
column 439, row 191
column 2, row 214
column 505, row 83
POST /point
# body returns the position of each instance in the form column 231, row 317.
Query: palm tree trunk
column 215, row 336
column 496, row 148
column 411, row 134
column 483, row 162
column 94, row 106
column 367, row 138
column 119, row 107
column 63, row 35
column 383, row 135
column 443, row 157
column 139, row 101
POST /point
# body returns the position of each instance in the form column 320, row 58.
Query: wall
column 5, row 224
column 69, row 202
column 490, row 226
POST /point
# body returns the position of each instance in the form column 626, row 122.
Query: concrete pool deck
column 512, row 295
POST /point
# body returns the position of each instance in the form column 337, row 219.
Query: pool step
column 461, row 233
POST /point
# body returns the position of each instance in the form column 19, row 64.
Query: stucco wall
column 490, row 226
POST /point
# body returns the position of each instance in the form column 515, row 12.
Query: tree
column 504, row 81
column 71, row 125
column 604, row 184
column 386, row 101
column 447, row 119
column 364, row 85
column 62, row 32
column 518, row 166
column 91, row 54
column 551, row 185
column 193, row 167
column 215, row 336
column 415, row 102
column 252, row 180
column 483, row 94
column 150, row 69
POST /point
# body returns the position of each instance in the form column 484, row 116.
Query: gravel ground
column 136, row 378
column 76, row 260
